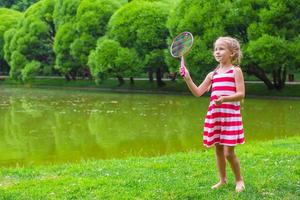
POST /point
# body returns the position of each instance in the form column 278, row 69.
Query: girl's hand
column 183, row 70
column 219, row 101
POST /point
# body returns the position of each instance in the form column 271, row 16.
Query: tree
column 248, row 21
column 273, row 55
column 32, row 42
column 295, row 45
column 79, row 24
column 64, row 20
column 20, row 5
column 276, row 35
column 141, row 25
column 91, row 20
column 8, row 19
column 204, row 19
column 7, row 3
column 109, row 58
column 65, row 63
column 156, row 58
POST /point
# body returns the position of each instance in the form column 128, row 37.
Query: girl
column 223, row 126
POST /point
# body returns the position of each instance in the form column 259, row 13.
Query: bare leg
column 235, row 166
column 221, row 164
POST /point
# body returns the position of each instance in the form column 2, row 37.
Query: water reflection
column 52, row 126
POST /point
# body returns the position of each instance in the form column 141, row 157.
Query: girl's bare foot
column 218, row 185
column 240, row 186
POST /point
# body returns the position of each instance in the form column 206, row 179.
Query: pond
column 44, row 126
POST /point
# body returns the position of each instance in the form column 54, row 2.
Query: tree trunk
column 121, row 80
column 159, row 81
column 173, row 76
column 275, row 78
column 259, row 73
column 131, row 81
column 150, row 74
column 73, row 75
column 279, row 77
column 52, row 32
column 86, row 74
column 4, row 67
column 67, row 77
column 284, row 76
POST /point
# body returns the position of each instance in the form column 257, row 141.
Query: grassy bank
column 176, row 87
column 271, row 171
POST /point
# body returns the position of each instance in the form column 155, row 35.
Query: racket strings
column 182, row 44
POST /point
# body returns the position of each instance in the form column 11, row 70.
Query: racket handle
column 182, row 67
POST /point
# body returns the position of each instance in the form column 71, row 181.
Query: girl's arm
column 240, row 88
column 202, row 88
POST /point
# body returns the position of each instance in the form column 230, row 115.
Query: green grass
column 176, row 87
column 271, row 171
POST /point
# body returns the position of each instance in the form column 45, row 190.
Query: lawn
column 271, row 171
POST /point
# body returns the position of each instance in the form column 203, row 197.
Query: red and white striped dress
column 223, row 123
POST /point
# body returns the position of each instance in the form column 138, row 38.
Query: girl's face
column 221, row 52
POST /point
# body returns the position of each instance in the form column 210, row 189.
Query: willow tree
column 110, row 59
column 8, row 19
column 20, row 5
column 140, row 25
column 64, row 20
column 91, row 21
column 29, row 45
column 79, row 24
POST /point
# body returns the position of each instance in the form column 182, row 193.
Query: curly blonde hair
column 234, row 46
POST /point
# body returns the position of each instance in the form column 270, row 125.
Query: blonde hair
column 234, row 46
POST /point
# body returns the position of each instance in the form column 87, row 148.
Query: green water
column 42, row 126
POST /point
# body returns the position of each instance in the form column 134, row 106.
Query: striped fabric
column 223, row 124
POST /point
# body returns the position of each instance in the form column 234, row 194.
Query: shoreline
column 138, row 91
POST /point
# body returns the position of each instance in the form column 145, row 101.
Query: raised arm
column 202, row 88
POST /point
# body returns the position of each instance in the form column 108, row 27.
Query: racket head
column 181, row 44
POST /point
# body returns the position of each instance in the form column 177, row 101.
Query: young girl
column 223, row 126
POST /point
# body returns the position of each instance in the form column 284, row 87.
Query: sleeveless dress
column 223, row 123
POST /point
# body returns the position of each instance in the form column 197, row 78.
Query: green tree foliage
column 64, row 19
column 109, row 58
column 208, row 20
column 141, row 25
column 64, row 11
column 31, row 41
column 79, row 24
column 144, row 29
column 9, row 44
column 91, row 21
column 64, row 61
column 273, row 41
column 248, row 21
column 204, row 19
column 296, row 52
column 272, row 54
column 8, row 19
column 7, row 3
column 168, row 2
column 30, row 69
column 20, row 5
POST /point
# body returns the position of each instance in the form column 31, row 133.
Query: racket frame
column 179, row 35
